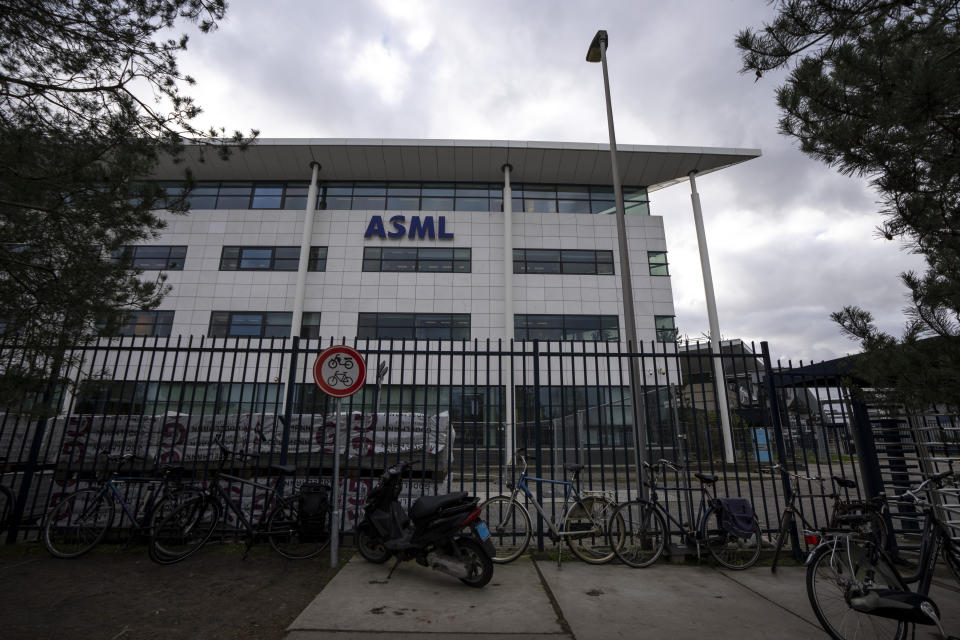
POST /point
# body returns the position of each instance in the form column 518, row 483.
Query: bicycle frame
column 216, row 488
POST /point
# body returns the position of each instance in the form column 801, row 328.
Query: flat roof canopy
column 654, row 167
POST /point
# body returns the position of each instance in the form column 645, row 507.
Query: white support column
column 719, row 384
column 508, row 328
column 305, row 252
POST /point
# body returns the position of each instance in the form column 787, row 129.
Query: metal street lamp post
column 598, row 53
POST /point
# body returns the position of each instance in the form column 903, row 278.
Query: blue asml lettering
column 420, row 228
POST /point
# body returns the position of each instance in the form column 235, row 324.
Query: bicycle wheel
column 167, row 503
column 592, row 531
column 294, row 538
column 184, row 530
column 835, row 576
column 733, row 552
column 645, row 533
column 78, row 523
column 509, row 525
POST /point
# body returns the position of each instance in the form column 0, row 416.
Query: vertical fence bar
column 778, row 436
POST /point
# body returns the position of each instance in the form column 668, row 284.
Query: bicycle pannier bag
column 736, row 516
column 314, row 512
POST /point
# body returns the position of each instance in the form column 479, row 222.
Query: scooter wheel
column 479, row 563
column 371, row 546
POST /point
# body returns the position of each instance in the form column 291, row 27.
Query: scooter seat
column 428, row 505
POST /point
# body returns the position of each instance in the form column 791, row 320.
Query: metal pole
column 305, row 251
column 335, row 488
column 640, row 435
column 719, row 382
column 508, row 328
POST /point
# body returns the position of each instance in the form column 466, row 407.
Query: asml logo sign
column 419, row 228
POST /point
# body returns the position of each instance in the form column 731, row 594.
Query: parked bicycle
column 857, row 591
column 732, row 538
column 297, row 526
column 582, row 523
column 864, row 516
column 79, row 521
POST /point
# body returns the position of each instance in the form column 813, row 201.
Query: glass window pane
column 279, row 318
column 539, row 191
column 255, row 258
column 403, row 189
column 573, row 206
column 398, row 265
column 267, row 196
column 399, row 253
column 203, row 196
column 376, row 203
column 371, row 265
column 403, row 203
column 338, row 188
column 437, row 266
column 296, row 196
column 472, row 204
column 543, row 255
column 542, row 267
column 472, row 190
column 246, row 324
column 637, row 208
column 435, row 253
column 370, row 189
column 539, row 206
column 603, row 206
column 286, row 264
column 635, row 194
column 287, row 253
column 461, row 266
column 371, row 253
column 437, row 189
column 580, row 267
column 234, row 195
column 336, row 203
column 573, row 193
column 437, row 204
column 578, row 255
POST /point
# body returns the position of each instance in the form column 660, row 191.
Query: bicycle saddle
column 707, row 478
column 573, row 468
column 845, row 482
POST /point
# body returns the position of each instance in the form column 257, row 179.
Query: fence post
column 777, row 424
column 870, row 473
column 34, row 455
column 288, row 402
column 537, row 436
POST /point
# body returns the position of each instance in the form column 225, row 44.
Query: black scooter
column 444, row 532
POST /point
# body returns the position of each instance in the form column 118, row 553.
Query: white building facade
column 408, row 241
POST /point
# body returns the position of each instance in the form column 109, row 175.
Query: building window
column 563, row 261
column 414, row 326
column 151, row 257
column 424, row 259
column 250, row 324
column 147, row 323
column 310, row 325
column 412, row 196
column 658, row 263
column 666, row 328
column 566, row 327
column 260, row 259
column 318, row 259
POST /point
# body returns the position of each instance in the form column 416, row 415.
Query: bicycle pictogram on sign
column 340, row 371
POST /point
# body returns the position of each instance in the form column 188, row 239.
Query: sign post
column 339, row 372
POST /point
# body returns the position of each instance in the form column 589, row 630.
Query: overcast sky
column 790, row 239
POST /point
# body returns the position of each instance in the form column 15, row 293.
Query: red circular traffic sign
column 340, row 371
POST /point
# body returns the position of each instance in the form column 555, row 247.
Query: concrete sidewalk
column 535, row 599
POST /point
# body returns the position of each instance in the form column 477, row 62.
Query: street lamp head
column 593, row 53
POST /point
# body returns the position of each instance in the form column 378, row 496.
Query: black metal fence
column 457, row 408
